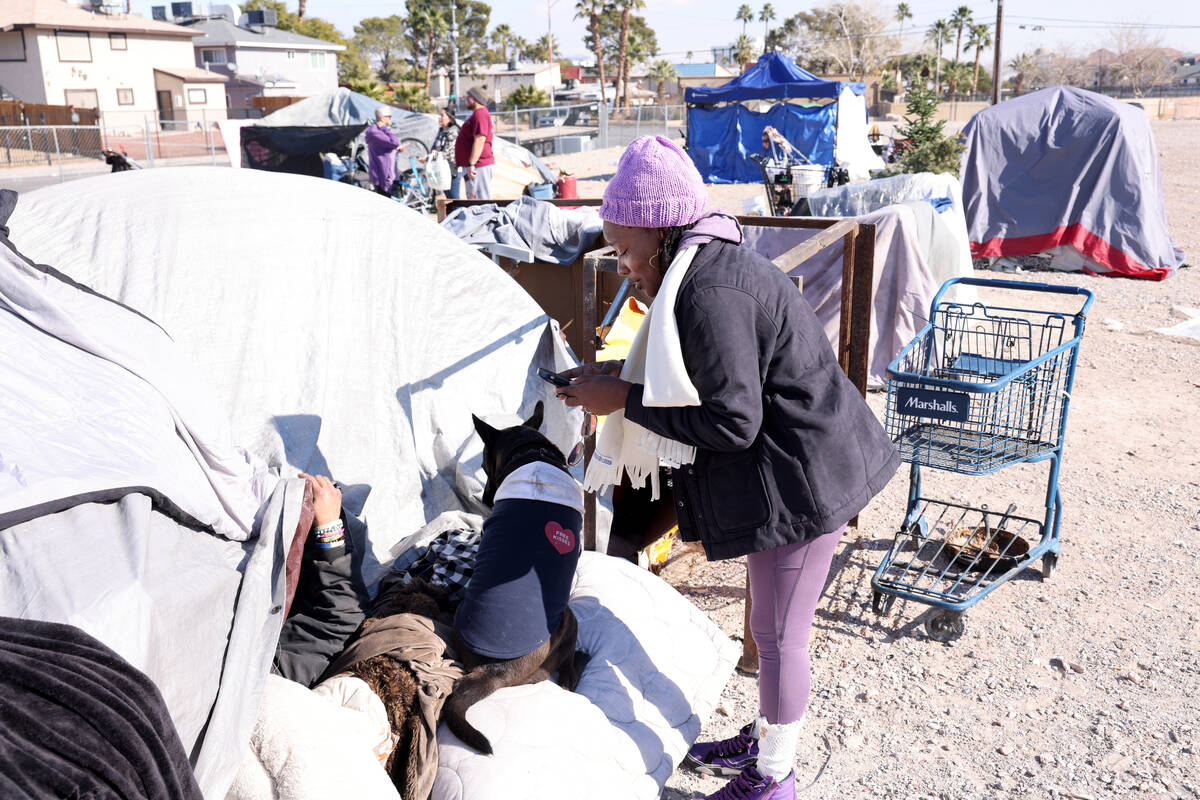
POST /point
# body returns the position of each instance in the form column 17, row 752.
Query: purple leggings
column 785, row 584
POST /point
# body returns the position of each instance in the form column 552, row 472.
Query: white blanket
column 657, row 668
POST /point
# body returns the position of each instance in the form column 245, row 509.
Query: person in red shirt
column 473, row 148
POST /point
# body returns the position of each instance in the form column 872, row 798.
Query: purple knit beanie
column 656, row 186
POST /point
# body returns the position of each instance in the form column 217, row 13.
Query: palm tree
column 663, row 71
column 958, row 20
column 520, row 47
column 979, row 37
column 627, row 7
column 501, row 36
column 592, row 9
column 1022, row 65
column 903, row 12
column 765, row 16
column 939, row 34
column 745, row 15
column 743, row 51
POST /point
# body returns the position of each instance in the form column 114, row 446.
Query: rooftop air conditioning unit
column 266, row 19
column 159, row 13
column 181, row 10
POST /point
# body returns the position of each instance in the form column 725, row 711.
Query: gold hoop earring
column 653, row 265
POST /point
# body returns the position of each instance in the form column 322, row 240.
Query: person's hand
column 595, row 368
column 402, row 146
column 327, row 498
column 598, row 394
column 471, row 172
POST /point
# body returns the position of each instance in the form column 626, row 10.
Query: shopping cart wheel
column 946, row 626
column 1049, row 563
column 881, row 603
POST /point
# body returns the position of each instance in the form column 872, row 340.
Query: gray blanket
column 553, row 234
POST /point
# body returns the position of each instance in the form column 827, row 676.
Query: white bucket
column 806, row 179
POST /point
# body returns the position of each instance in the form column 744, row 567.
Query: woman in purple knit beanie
column 730, row 396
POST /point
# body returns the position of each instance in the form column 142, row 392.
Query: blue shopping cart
column 981, row 387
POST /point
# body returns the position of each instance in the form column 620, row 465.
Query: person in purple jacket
column 382, row 146
column 732, row 393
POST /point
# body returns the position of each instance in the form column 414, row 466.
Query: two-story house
column 56, row 52
column 260, row 59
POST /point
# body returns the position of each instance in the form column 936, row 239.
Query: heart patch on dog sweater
column 561, row 539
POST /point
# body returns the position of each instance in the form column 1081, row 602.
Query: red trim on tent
column 1078, row 237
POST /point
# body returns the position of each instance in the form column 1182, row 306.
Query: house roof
column 192, row 74
column 220, row 32
column 59, row 14
column 708, row 70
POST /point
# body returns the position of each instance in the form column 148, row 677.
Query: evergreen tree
column 930, row 150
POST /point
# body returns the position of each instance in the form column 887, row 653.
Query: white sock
column 777, row 749
column 760, row 725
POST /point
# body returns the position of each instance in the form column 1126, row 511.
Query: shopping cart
column 982, row 387
column 787, row 179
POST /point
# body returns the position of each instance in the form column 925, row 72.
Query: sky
column 697, row 25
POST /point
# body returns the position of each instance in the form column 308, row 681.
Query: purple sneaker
column 753, row 785
column 726, row 757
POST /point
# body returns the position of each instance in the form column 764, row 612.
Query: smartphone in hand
column 553, row 378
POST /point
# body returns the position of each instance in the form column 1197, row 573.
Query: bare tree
column 1141, row 60
column 1061, row 65
column 842, row 38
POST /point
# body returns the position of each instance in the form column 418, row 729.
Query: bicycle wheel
column 414, row 148
column 416, row 195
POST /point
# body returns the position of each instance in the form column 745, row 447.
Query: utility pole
column 550, row 45
column 454, row 44
column 996, row 57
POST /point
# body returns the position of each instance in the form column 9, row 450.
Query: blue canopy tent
column 721, row 138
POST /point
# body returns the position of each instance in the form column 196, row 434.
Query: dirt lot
column 1082, row 686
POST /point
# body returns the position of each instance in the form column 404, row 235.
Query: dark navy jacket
column 787, row 449
column 522, row 580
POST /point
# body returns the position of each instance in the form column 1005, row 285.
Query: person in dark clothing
column 444, row 143
column 733, row 386
column 330, row 599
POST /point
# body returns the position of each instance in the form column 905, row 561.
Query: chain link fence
column 557, row 130
column 49, row 145
column 623, row 126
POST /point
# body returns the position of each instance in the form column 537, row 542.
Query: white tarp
column 851, row 148
column 336, row 330
column 340, row 332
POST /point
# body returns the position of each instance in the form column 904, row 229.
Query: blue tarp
column 774, row 77
column 720, row 140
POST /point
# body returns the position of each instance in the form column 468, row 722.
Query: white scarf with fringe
column 655, row 360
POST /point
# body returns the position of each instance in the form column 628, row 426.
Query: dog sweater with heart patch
column 526, row 564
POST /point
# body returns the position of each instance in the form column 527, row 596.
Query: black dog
column 514, row 626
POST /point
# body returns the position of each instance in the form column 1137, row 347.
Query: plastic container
column 567, row 187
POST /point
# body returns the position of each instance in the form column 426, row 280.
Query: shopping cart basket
column 787, row 180
column 980, row 388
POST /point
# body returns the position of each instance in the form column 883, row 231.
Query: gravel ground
column 1081, row 686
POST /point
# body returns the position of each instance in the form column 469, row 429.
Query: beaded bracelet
column 330, row 543
column 329, row 527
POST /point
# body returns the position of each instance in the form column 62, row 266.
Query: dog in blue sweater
column 514, row 626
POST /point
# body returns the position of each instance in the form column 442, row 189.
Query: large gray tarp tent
column 146, row 494
column 1071, row 172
